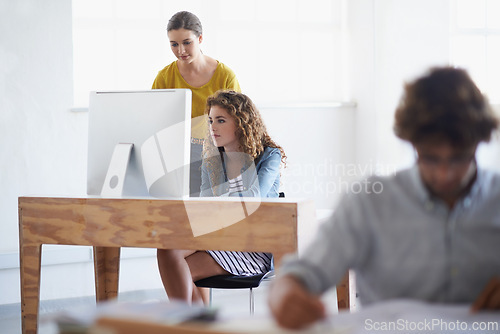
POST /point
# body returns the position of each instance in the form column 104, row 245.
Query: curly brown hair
column 446, row 105
column 250, row 128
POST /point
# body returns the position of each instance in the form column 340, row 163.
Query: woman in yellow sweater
column 198, row 72
column 204, row 76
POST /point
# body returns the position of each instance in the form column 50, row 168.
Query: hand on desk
column 489, row 298
column 292, row 306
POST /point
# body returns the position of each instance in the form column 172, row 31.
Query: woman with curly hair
column 239, row 159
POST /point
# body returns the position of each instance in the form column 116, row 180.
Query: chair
column 237, row 281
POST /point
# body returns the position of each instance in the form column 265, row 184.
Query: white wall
column 41, row 140
column 318, row 142
column 391, row 42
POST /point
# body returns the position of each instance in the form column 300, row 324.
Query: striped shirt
column 236, row 184
column 241, row 263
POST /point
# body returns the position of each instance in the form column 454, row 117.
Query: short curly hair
column 444, row 105
column 250, row 128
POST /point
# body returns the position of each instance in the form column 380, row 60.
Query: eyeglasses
column 454, row 162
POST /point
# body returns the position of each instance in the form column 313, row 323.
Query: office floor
column 231, row 303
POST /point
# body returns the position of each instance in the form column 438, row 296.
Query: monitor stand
column 115, row 177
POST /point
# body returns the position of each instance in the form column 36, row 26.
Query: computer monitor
column 139, row 143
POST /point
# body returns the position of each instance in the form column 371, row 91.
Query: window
column 475, row 42
column 281, row 51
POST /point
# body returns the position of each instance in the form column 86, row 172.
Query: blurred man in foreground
column 430, row 233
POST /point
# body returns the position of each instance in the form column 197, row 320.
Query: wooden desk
column 108, row 224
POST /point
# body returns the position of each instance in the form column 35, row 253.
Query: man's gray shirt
column 403, row 243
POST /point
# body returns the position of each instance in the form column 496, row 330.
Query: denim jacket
column 261, row 177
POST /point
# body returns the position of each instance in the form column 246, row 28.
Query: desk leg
column 343, row 298
column 30, row 264
column 106, row 270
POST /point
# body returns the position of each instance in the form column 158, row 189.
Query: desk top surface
column 187, row 199
column 394, row 317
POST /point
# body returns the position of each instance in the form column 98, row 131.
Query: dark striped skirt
column 243, row 263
